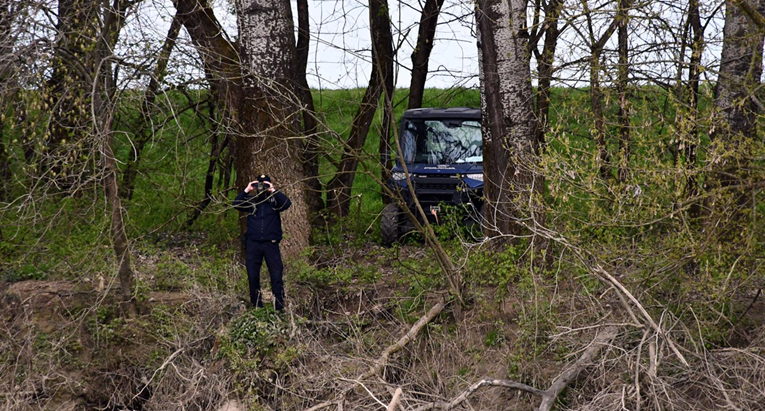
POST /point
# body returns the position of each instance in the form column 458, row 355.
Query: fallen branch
column 569, row 374
column 396, row 398
column 381, row 362
column 563, row 380
column 600, row 271
column 486, row 382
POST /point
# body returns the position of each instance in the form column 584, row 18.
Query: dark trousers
column 256, row 252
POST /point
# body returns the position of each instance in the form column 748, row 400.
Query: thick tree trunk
column 219, row 57
column 310, row 151
column 509, row 144
column 69, row 86
column 339, row 188
column 270, row 110
column 740, row 71
column 736, row 111
column 421, row 53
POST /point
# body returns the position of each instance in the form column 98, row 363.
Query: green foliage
column 256, row 345
column 497, row 269
column 355, row 273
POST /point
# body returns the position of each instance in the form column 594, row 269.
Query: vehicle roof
column 443, row 113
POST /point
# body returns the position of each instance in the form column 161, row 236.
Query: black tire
column 389, row 224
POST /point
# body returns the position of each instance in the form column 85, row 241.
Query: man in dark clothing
column 263, row 205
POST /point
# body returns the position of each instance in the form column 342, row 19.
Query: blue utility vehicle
column 442, row 152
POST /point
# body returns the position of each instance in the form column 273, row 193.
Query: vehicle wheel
column 389, row 224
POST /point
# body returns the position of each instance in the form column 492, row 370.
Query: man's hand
column 251, row 186
column 271, row 188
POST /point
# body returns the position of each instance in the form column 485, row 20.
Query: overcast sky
column 340, row 41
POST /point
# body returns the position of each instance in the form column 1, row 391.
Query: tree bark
column 381, row 78
column 67, row 91
column 219, row 56
column 421, row 53
column 740, row 70
column 509, row 143
column 269, row 113
column 736, row 112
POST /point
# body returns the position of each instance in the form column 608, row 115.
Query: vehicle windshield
column 441, row 141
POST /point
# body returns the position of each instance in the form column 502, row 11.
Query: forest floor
column 66, row 345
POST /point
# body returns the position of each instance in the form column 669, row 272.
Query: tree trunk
column 219, row 57
column 421, row 53
column 599, row 119
column 509, row 144
column 339, row 188
column 736, row 111
column 385, row 133
column 310, row 150
column 215, row 156
column 269, row 111
column 67, row 91
column 596, row 93
column 689, row 130
column 622, row 80
column 740, row 70
column 7, row 41
column 103, row 107
column 545, row 67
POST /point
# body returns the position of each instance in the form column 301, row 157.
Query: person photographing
column 263, row 205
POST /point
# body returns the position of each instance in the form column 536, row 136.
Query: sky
column 340, row 44
column 340, row 41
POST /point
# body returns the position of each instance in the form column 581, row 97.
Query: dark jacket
column 263, row 220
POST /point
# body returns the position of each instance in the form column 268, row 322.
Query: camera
column 258, row 186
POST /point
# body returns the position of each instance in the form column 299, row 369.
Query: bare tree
column 551, row 30
column 688, row 98
column 622, row 18
column 421, row 54
column 509, row 143
column 596, row 45
column 103, row 107
column 381, row 79
column 311, row 150
column 144, row 127
column 6, row 90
